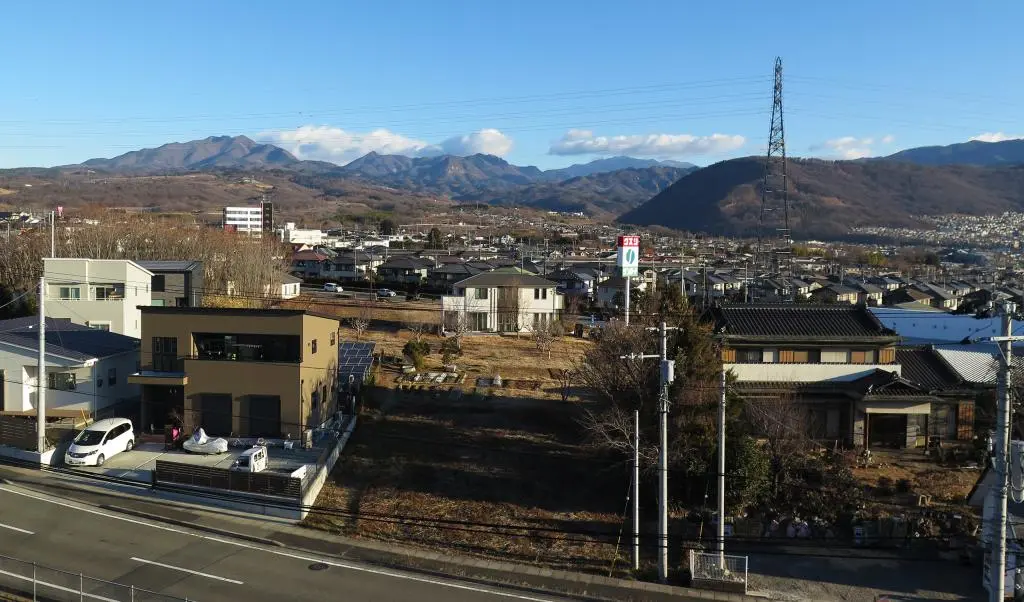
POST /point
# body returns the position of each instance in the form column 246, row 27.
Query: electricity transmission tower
column 774, row 241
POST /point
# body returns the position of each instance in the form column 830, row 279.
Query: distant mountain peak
column 973, row 152
column 239, row 152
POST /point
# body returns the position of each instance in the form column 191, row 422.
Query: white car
column 99, row 441
column 332, row 287
column 386, row 292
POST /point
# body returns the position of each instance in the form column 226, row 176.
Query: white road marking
column 3, row 526
column 190, row 571
column 59, row 588
column 295, row 556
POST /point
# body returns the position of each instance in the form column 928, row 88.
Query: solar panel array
column 354, row 358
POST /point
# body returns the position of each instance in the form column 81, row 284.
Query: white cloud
column 335, row 145
column 888, row 139
column 584, row 142
column 848, row 147
column 487, row 141
column 995, row 137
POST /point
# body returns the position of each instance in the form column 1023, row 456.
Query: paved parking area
column 138, row 464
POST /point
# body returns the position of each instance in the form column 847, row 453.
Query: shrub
column 417, row 351
column 884, row 487
column 450, row 351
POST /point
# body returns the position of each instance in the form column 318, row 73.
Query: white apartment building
column 503, row 300
column 252, row 220
column 299, row 236
column 99, row 293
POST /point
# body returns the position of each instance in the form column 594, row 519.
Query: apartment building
column 99, row 293
column 252, row 220
column 242, row 372
column 503, row 300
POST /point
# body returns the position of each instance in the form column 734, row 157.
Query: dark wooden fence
column 265, row 483
column 18, row 432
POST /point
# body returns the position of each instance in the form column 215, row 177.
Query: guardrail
column 33, row 581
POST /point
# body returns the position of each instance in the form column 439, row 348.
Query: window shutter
column 887, row 355
column 786, row 356
column 728, row 355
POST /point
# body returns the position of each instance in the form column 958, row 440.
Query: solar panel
column 354, row 358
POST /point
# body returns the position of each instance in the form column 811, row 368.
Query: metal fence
column 33, row 581
column 718, row 571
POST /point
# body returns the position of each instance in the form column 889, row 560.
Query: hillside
column 607, row 165
column 444, row 174
column 237, row 152
column 600, row 194
column 984, row 154
column 830, row 197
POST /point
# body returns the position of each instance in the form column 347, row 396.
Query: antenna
column 775, row 256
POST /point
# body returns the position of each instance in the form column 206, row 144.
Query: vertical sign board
column 628, row 258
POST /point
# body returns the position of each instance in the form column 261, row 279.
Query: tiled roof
column 797, row 321
column 922, row 366
column 506, row 277
column 65, row 339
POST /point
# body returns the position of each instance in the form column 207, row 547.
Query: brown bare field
column 946, row 485
column 480, row 456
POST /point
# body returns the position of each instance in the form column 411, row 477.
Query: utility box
column 668, row 371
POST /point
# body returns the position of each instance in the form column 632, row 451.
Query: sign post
column 627, row 260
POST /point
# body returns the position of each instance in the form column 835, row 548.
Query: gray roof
column 289, row 279
column 65, row 339
column 506, row 277
column 171, row 266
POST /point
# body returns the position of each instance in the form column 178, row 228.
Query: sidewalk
column 171, row 508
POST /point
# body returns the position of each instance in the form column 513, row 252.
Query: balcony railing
column 806, row 372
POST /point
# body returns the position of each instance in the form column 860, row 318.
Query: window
column 112, row 377
column 543, row 293
column 862, row 356
column 158, row 303
column 180, row 302
column 159, row 283
column 481, row 293
column 99, row 383
column 61, row 381
column 314, row 345
column 70, row 293
column 106, row 292
column 536, row 293
column 749, row 356
column 248, row 347
column 332, row 339
column 478, row 320
column 100, row 326
column 165, row 354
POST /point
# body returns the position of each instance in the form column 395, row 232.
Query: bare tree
column 566, row 379
column 544, row 337
column 782, row 422
column 417, row 329
column 457, row 324
column 361, row 322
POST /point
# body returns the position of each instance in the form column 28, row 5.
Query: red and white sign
column 628, row 257
column 629, row 241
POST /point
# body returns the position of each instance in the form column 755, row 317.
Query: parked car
column 99, row 441
column 386, row 292
column 332, row 287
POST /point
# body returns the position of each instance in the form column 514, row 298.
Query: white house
column 293, row 235
column 503, row 300
column 86, row 369
column 98, row 293
column 612, row 292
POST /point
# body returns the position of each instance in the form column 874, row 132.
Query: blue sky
column 546, row 83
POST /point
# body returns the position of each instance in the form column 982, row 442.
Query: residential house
column 611, row 294
column 867, row 293
column 176, row 283
column 311, row 264
column 574, row 283
column 801, row 289
column 404, row 269
column 447, row 274
column 942, row 298
column 909, row 298
column 244, row 372
column 351, row 265
column 86, row 368
column 835, row 293
column 98, row 293
column 503, row 300
column 289, row 287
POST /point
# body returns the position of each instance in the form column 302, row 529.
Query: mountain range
column 827, row 197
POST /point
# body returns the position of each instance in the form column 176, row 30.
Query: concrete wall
column 122, row 315
column 316, row 483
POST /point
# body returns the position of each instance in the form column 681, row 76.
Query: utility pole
column 53, row 238
column 627, row 299
column 997, row 581
column 667, row 376
column 41, row 373
column 721, row 472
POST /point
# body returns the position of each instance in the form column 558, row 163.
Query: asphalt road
column 178, row 562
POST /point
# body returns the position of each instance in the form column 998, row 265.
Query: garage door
column 264, row 416
column 216, row 413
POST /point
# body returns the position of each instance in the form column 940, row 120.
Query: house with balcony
column 243, row 372
column 86, row 369
column 310, row 264
column 99, row 293
column 349, row 265
column 503, row 300
column 176, row 283
column 840, row 365
column 447, row 274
